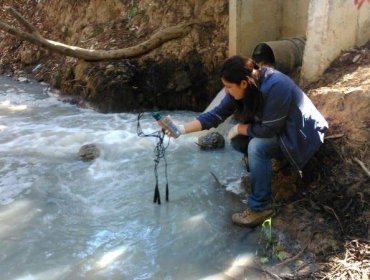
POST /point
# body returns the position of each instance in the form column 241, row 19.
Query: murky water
column 61, row 218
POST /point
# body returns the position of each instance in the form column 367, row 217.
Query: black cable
column 159, row 153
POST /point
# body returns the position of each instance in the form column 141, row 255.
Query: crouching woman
column 275, row 119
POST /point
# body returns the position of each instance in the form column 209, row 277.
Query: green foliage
column 264, row 260
column 273, row 250
column 282, row 255
column 132, row 12
column 267, row 227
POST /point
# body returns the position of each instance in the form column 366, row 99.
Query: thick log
column 142, row 48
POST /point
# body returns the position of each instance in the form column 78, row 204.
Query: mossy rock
column 211, row 141
column 88, row 152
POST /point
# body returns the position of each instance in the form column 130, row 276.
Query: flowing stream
column 62, row 218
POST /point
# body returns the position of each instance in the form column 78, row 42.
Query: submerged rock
column 211, row 141
column 88, row 152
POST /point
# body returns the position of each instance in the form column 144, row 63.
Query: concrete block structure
column 329, row 27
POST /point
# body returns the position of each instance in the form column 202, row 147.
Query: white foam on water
column 16, row 216
column 51, row 274
column 234, row 185
column 98, row 217
column 15, row 179
column 109, row 257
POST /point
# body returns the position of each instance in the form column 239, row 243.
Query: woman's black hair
column 236, row 69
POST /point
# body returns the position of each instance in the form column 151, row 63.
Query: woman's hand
column 233, row 132
column 189, row 127
column 238, row 129
column 179, row 128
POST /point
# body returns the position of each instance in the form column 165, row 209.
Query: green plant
column 273, row 249
column 267, row 227
column 132, row 12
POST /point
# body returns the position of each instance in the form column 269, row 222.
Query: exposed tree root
column 153, row 42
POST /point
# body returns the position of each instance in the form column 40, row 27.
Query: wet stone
column 211, row 141
column 88, row 152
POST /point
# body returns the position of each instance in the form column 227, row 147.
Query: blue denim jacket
column 287, row 113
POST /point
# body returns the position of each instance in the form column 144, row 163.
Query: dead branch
column 362, row 166
column 22, row 20
column 331, row 211
column 334, row 136
column 294, row 257
column 355, row 263
column 259, row 268
column 153, row 42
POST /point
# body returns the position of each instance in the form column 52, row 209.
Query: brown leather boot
column 251, row 218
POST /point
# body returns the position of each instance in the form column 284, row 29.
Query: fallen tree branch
column 22, row 20
column 332, row 211
column 150, row 44
column 259, row 268
column 294, row 257
column 355, row 264
column 334, row 136
column 362, row 166
column 273, row 273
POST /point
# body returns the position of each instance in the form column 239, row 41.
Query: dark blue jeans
column 259, row 151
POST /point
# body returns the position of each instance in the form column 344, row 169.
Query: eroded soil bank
column 181, row 74
column 328, row 209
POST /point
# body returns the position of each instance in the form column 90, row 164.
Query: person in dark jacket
column 275, row 119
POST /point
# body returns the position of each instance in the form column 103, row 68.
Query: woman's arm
column 210, row 119
column 218, row 114
column 192, row 126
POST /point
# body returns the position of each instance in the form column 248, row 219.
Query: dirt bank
column 181, row 74
column 328, row 209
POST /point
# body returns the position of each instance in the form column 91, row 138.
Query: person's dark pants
column 259, row 151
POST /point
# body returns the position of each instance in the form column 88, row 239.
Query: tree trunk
column 153, row 42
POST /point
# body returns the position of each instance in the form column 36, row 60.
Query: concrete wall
column 333, row 26
column 250, row 22
column 330, row 26
column 294, row 18
column 363, row 29
column 255, row 21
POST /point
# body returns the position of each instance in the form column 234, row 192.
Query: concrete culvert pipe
column 285, row 55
